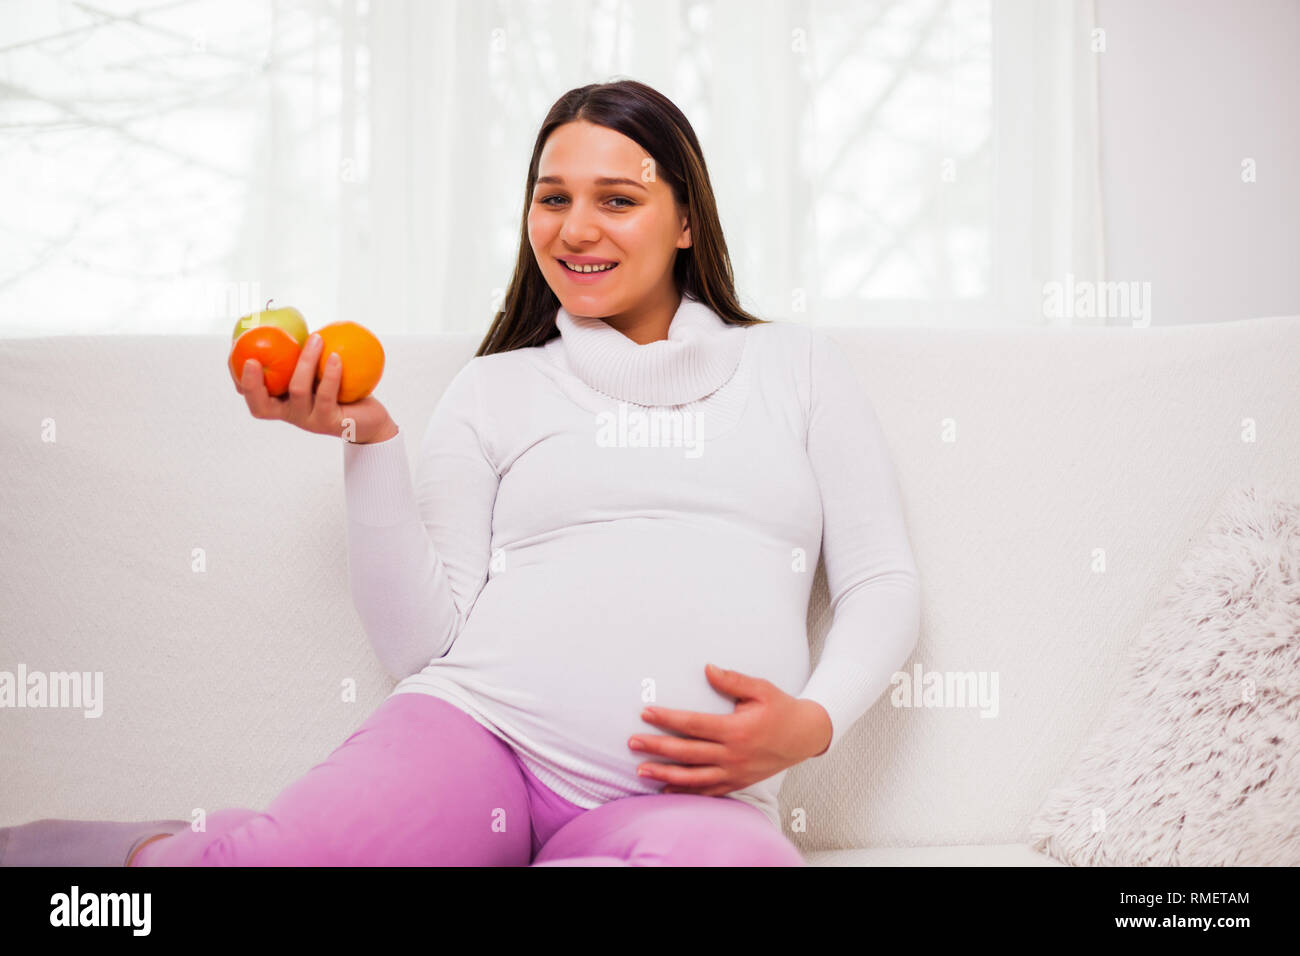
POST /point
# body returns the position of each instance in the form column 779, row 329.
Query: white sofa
column 196, row 558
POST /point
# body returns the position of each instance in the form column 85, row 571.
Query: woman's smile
column 589, row 275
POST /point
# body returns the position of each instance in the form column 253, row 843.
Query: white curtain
column 902, row 162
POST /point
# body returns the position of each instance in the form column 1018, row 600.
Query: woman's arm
column 418, row 550
column 870, row 571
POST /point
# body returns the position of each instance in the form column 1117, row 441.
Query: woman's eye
column 547, row 201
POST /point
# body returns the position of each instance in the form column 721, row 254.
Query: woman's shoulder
column 807, row 346
column 501, row 367
column 510, row 380
column 806, row 357
column 786, row 342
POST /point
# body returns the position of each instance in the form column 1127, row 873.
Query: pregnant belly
column 577, row 643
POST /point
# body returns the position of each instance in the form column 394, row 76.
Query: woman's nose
column 579, row 225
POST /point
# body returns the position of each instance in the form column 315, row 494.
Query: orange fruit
column 275, row 348
column 362, row 356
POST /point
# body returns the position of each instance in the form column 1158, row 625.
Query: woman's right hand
column 316, row 409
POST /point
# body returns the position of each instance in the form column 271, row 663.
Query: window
column 173, row 165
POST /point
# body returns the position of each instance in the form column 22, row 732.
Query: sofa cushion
column 1196, row 761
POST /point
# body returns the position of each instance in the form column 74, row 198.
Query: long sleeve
column 870, row 571
column 418, row 550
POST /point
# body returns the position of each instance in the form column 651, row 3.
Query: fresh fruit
column 286, row 317
column 275, row 348
column 362, row 356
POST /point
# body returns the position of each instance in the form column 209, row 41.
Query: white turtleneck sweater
column 591, row 521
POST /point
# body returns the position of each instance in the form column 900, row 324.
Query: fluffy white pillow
column 1196, row 761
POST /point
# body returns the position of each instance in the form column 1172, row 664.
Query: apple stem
column 268, row 305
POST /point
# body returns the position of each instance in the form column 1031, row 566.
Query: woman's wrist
column 820, row 720
column 386, row 431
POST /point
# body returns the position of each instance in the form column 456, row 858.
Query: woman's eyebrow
column 599, row 181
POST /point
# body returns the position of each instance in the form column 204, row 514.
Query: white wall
column 1187, row 90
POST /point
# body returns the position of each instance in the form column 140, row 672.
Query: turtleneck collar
column 699, row 356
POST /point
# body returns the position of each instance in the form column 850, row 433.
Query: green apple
column 287, row 318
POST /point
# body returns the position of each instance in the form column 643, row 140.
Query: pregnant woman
column 593, row 594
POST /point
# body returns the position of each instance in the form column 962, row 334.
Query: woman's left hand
column 768, row 732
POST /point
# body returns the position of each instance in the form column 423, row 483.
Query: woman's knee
column 727, row 832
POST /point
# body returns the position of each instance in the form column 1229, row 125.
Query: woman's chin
column 588, row 302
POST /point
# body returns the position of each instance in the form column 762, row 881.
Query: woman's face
column 635, row 223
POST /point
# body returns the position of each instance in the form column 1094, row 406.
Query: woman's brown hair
column 701, row 271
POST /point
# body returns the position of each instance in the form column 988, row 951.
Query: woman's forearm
column 399, row 584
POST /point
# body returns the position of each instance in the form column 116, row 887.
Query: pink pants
column 421, row 783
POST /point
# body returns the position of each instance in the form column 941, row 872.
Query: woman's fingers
column 253, row 388
column 300, row 384
column 311, row 405
column 327, row 392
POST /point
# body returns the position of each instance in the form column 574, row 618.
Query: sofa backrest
column 155, row 533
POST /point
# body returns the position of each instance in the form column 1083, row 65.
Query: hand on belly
column 767, row 732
